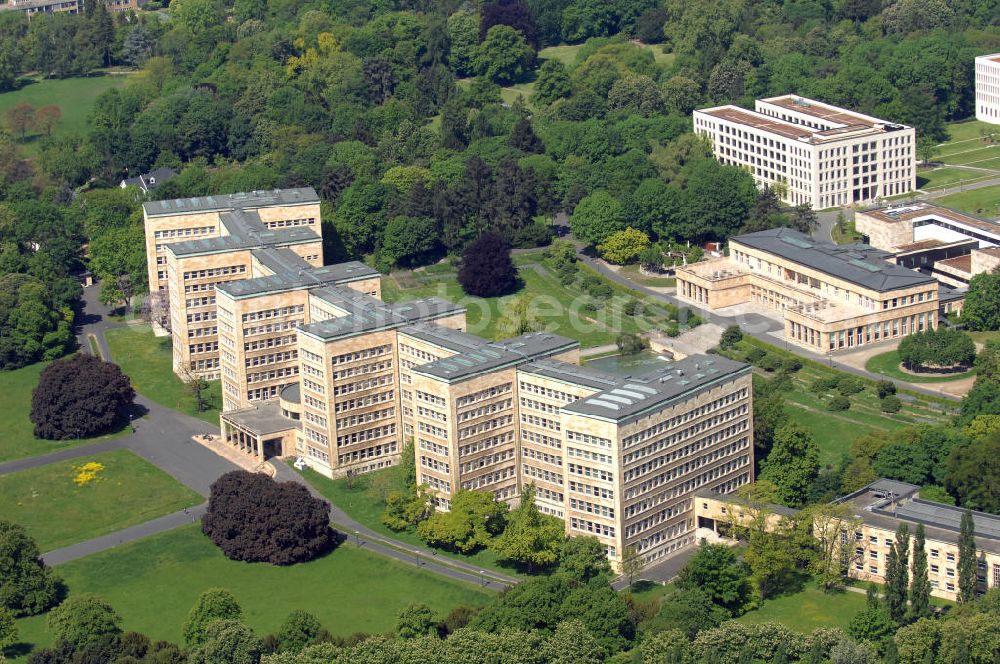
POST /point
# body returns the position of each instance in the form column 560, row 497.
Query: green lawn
column 849, row 235
column 808, row 609
column 888, row 365
column 57, row 512
column 154, row 582
column 833, row 434
column 936, row 178
column 75, row 97
column 984, row 201
column 566, row 53
column 17, row 439
column 363, row 503
column 967, row 129
column 633, row 273
column 559, row 307
column 147, row 360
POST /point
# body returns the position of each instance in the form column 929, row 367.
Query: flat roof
column 366, row 314
column 824, row 111
column 990, row 251
column 262, row 419
column 959, row 263
column 496, row 355
column 241, row 200
column 759, row 121
column 281, row 260
column 886, row 503
column 297, row 278
column 858, row 264
column 921, row 210
column 739, row 500
column 444, row 337
column 226, row 243
column 572, row 373
column 639, row 394
column 993, row 57
column 949, row 294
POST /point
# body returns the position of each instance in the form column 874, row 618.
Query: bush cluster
column 255, row 519
column 937, row 348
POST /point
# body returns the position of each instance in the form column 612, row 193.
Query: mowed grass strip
column 148, row 361
column 57, row 512
column 18, row 439
column 984, row 201
column 808, row 609
column 154, row 582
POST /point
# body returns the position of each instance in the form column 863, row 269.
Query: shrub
column 791, row 364
column 79, row 397
column 884, row 388
column 838, row 403
column 755, row 355
column 731, row 336
column 672, row 329
column 630, row 344
column 770, row 362
column 633, row 308
column 937, row 348
column 849, row 385
column 486, row 269
column 253, row 518
column 890, row 404
column 601, row 290
column 824, row 385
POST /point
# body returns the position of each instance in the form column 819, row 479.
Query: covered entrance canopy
column 261, row 432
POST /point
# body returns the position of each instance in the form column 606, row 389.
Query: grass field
column 559, row 307
column 633, row 273
column 75, row 97
column 57, row 512
column 888, row 365
column 566, row 53
column 984, row 201
column 363, row 503
column 808, row 609
column 936, row 178
column 147, row 360
column 835, row 431
column 154, row 582
column 848, row 235
column 18, row 439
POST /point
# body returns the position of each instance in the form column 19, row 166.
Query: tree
column 772, row 560
column 898, row 574
column 632, row 563
column 118, row 259
column 597, row 217
column 972, row 473
column 651, row 259
column 28, row 587
column 486, row 269
column 83, row 619
column 630, row 344
column 932, row 348
column 792, row 464
column 213, row 604
column 19, row 118
column 46, row 119
column 503, row 56
column 552, row 83
column 623, row 246
column 138, row 46
column 299, row 630
column 253, row 518
column 572, row 643
column 228, row 642
column 414, row 621
column 474, row 519
column 716, row 571
column 804, row 219
column 513, row 13
column 920, row 586
column 524, row 138
column 530, row 538
column 982, row 302
column 79, row 397
column 635, row 94
column 834, row 555
column 463, row 33
column 967, row 559
column 517, row 316
column 873, row 624
column 408, row 242
column 583, row 558
column 769, row 415
column 8, row 630
column 690, row 612
column 927, row 149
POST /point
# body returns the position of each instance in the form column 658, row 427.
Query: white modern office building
column 819, row 155
column 988, row 88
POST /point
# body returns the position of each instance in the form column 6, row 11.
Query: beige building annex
column 831, row 297
column 820, row 155
column 314, row 365
column 988, row 88
column 879, row 509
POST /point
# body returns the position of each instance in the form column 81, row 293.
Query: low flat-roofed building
column 830, row 296
column 878, row 510
column 821, row 155
column 988, row 88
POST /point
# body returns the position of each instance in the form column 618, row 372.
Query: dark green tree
column 967, row 559
column 83, row 619
column 716, row 571
column 920, row 587
column 982, row 302
column 898, row 574
column 213, row 604
column 28, row 586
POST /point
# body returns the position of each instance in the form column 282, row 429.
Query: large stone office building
column 830, row 296
column 988, row 88
column 821, row 155
column 313, row 364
